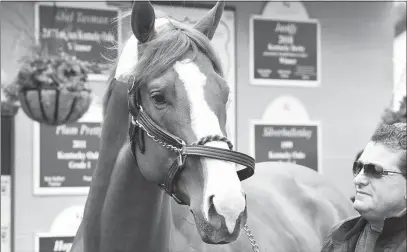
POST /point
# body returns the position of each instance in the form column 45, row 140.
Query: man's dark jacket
column 344, row 236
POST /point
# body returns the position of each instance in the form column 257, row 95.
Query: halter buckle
column 181, row 158
column 134, row 121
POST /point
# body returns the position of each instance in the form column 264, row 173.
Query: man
column 381, row 196
column 390, row 117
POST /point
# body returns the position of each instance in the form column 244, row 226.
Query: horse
column 167, row 177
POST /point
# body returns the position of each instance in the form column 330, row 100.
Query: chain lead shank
column 253, row 242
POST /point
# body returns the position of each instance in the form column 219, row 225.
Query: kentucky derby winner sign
column 295, row 143
column 53, row 243
column 284, row 52
column 65, row 157
column 86, row 33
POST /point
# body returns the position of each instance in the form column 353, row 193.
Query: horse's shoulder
column 290, row 176
column 297, row 186
column 283, row 176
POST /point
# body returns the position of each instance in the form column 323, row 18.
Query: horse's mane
column 168, row 46
column 114, row 63
column 109, row 90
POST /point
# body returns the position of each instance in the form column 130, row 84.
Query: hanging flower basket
column 54, row 106
column 9, row 100
column 8, row 109
column 52, row 89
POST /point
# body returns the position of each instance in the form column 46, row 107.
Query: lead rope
column 253, row 242
column 246, row 228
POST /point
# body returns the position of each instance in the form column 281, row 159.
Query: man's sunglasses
column 370, row 170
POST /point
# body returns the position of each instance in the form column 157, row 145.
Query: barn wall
column 357, row 40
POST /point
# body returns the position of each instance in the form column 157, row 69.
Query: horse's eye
column 158, row 99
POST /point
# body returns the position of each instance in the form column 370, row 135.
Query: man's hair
column 394, row 137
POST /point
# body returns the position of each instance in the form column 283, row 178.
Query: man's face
column 380, row 197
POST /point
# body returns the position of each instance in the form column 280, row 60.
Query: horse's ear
column 142, row 20
column 208, row 24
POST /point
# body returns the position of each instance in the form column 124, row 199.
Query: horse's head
column 178, row 82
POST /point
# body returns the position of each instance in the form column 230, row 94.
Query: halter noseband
column 140, row 121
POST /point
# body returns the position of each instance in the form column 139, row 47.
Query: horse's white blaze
column 160, row 22
column 222, row 180
column 129, row 57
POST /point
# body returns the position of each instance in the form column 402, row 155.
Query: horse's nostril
column 211, row 210
column 210, row 200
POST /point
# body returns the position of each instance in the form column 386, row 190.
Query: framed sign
column 6, row 213
column 285, row 52
column 85, row 32
column 65, row 157
column 7, row 182
column 287, row 142
column 47, row 242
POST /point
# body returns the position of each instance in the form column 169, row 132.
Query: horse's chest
column 276, row 239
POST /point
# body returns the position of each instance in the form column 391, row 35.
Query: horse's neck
column 136, row 213
column 123, row 211
column 114, row 133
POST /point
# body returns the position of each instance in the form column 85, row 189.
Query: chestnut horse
column 168, row 84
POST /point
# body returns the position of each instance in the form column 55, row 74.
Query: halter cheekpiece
column 141, row 121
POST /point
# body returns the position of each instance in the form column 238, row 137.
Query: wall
column 32, row 214
column 356, row 80
column 356, row 86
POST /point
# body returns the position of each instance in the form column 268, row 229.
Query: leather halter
column 140, row 121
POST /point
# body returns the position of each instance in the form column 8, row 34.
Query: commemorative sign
column 284, row 52
column 6, row 213
column 82, row 32
column 7, row 173
column 65, row 157
column 53, row 243
column 294, row 143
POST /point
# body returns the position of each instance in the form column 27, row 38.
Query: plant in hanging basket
column 52, row 88
column 9, row 100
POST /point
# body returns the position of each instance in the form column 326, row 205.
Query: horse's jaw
column 214, row 231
